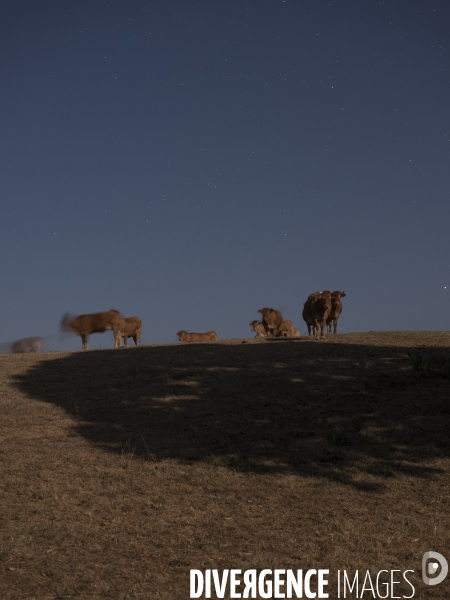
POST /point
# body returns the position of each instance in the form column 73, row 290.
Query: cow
column 271, row 320
column 259, row 328
column 209, row 336
column 315, row 312
column 131, row 327
column 336, row 309
column 26, row 345
column 287, row 329
column 84, row 325
column 307, row 312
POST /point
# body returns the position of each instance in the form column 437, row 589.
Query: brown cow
column 131, row 327
column 287, row 329
column 307, row 312
column 259, row 328
column 84, row 325
column 25, row 345
column 315, row 312
column 209, row 336
column 271, row 320
column 336, row 309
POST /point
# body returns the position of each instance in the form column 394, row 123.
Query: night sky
column 189, row 162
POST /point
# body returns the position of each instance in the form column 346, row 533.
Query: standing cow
column 84, row 325
column 336, row 309
column 131, row 327
column 307, row 311
column 26, row 345
column 316, row 311
column 271, row 320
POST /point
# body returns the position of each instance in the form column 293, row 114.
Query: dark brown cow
column 336, row 309
column 131, row 327
column 25, row 345
column 315, row 312
column 271, row 320
column 208, row 336
column 259, row 328
column 287, row 329
column 84, row 325
column 307, row 314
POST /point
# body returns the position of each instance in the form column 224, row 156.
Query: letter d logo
column 431, row 568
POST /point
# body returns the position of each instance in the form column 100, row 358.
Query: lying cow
column 84, row 325
column 271, row 320
column 287, row 329
column 259, row 328
column 209, row 336
column 316, row 311
column 336, row 309
column 26, row 345
column 131, row 327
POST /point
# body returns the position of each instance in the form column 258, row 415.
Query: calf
column 287, row 329
column 131, row 327
column 259, row 328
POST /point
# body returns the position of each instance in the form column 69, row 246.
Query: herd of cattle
column 321, row 309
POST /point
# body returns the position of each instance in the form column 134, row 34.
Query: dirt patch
column 123, row 469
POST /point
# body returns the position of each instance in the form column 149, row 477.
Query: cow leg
column 335, row 325
column 117, row 341
column 125, row 341
column 316, row 330
column 85, row 341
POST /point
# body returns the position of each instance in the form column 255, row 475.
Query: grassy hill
column 120, row 470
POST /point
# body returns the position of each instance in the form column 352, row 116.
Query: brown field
column 120, row 470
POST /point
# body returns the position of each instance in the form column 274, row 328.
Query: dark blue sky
column 190, row 162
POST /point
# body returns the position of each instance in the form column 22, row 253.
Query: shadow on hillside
column 350, row 413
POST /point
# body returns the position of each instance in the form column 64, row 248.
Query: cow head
column 336, row 297
column 265, row 310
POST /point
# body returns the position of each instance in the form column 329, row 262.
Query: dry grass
column 122, row 469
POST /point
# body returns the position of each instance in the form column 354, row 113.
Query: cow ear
column 342, row 294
